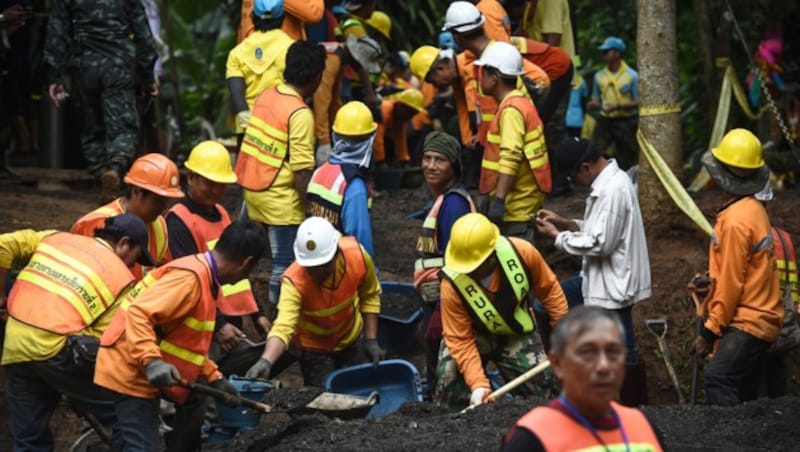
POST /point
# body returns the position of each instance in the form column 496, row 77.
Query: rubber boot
column 634, row 389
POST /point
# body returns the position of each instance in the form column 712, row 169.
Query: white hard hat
column 502, row 56
column 462, row 17
column 316, row 242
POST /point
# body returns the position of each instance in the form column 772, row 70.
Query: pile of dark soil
column 760, row 425
column 398, row 305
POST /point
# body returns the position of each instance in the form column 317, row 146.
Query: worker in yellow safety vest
column 60, row 304
column 161, row 336
column 487, row 284
column 152, row 181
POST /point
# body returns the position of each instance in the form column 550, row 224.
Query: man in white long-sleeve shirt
column 615, row 273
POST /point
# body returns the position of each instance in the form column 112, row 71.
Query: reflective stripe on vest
column 558, row 431
column 238, row 298
column 427, row 243
column 325, row 194
column 327, row 315
column 70, row 281
column 534, row 147
column 786, row 261
column 266, row 139
column 480, row 302
column 186, row 341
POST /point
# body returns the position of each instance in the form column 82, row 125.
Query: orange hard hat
column 155, row 173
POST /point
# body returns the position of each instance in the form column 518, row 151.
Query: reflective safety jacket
column 328, row 315
column 157, row 239
column 553, row 60
column 431, row 255
column 237, row 298
column 506, row 313
column 183, row 342
column 70, row 281
column 534, row 147
column 325, row 194
column 558, row 431
column 786, row 262
column 266, row 145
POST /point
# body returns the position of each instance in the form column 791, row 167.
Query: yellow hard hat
column 421, row 61
column 381, row 22
column 354, row 119
column 411, row 97
column 212, row 161
column 472, row 240
column 739, row 148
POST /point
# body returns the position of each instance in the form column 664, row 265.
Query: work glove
column 479, row 396
column 322, row 154
column 496, row 211
column 243, row 118
column 374, row 351
column 161, row 374
column 232, row 397
column 260, row 369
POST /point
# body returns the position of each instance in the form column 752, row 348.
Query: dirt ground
column 676, row 253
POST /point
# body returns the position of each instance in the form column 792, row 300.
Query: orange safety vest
column 558, row 431
column 266, row 141
column 157, row 240
column 398, row 135
column 327, row 315
column 786, row 262
column 185, row 342
column 431, row 260
column 553, row 61
column 237, row 299
column 325, row 194
column 534, row 147
column 70, row 281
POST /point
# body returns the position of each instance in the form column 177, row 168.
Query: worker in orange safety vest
column 195, row 223
column 588, row 357
column 152, row 181
column 161, row 335
column 329, row 306
column 60, row 304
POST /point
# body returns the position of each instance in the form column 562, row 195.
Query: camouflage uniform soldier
column 487, row 283
column 107, row 49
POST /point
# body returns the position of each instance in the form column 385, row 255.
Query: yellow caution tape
column 661, row 109
column 730, row 85
column 672, row 184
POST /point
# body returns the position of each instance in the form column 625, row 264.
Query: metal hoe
column 659, row 329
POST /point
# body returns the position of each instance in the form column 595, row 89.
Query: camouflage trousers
column 512, row 355
column 110, row 120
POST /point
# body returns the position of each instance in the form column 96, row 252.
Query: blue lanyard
column 213, row 263
column 588, row 425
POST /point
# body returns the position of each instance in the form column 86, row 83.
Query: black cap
column 134, row 228
column 571, row 152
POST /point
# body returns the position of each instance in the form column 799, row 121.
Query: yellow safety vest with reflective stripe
column 534, row 147
column 265, row 145
column 325, row 194
column 184, row 343
column 503, row 314
column 69, row 282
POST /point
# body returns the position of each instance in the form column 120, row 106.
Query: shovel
column 511, row 385
column 659, row 329
column 224, row 396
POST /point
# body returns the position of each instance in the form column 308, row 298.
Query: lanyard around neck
column 588, row 425
column 213, row 264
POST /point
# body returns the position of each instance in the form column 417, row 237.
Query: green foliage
column 415, row 22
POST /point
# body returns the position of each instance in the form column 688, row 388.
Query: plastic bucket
column 396, row 381
column 240, row 417
column 399, row 334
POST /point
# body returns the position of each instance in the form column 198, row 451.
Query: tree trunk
column 658, row 86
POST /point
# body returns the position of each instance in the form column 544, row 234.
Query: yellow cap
column 212, row 161
column 354, row 119
column 421, row 61
column 381, row 22
column 472, row 240
column 739, row 148
column 411, row 97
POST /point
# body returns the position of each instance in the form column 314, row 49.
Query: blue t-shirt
column 355, row 214
column 453, row 207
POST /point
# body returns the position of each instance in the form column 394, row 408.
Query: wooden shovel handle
column 511, row 385
column 221, row 395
